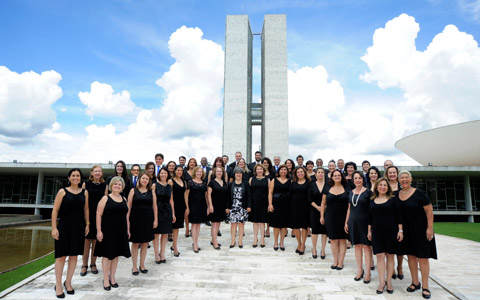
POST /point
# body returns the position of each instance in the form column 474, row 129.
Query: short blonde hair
column 115, row 180
column 405, row 172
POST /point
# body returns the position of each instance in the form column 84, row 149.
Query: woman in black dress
column 71, row 207
column 300, row 207
column 166, row 214
column 189, row 174
column 270, row 173
column 113, row 231
column 150, row 170
column 372, row 176
column 279, row 199
column 259, row 214
column 217, row 196
column 246, row 171
column 317, row 193
column 356, row 225
column 333, row 215
column 290, row 166
column 331, row 167
column 178, row 190
column 419, row 242
column 392, row 176
column 350, row 167
column 142, row 205
column 385, row 230
column 310, row 172
column 238, row 205
column 219, row 163
column 96, row 188
column 121, row 170
column 196, row 203
column 171, row 169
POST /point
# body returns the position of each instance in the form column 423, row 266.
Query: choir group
column 380, row 214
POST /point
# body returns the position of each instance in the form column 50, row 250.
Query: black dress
column 196, row 202
column 384, row 219
column 259, row 194
column 415, row 226
column 335, row 215
column 359, row 216
column 95, row 194
column 114, row 229
column 71, row 226
column 219, row 197
column 280, row 216
column 350, row 184
column 299, row 206
column 179, row 204
column 315, row 195
column 141, row 217
column 165, row 220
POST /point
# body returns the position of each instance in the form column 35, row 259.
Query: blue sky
column 125, row 44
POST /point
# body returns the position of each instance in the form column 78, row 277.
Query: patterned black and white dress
column 238, row 214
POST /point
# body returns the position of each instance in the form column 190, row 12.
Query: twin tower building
column 239, row 113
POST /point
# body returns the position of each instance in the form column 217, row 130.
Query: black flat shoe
column 219, row 233
column 107, row 288
column 72, row 292
column 282, row 248
column 86, row 270
column 301, row 252
column 254, row 245
column 390, row 291
column 339, row 268
column 333, row 267
column 366, row 281
column 135, row 273
column 62, row 295
column 187, row 235
column 144, row 271
column 322, row 256
column 158, row 262
column 359, row 278
column 314, row 256
column 394, row 276
column 219, row 245
column 426, row 296
column 412, row 288
column 262, row 245
column 275, row 248
column 114, row 285
column 164, row 261
column 94, row 271
column 400, row 276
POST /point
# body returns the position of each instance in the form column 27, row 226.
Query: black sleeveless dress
column 71, row 226
column 179, row 204
column 219, row 199
column 281, row 204
column 197, row 202
column 299, row 206
column 336, row 214
column 259, row 194
column 95, row 194
column 114, row 229
column 141, row 217
column 165, row 219
column 315, row 195
column 384, row 219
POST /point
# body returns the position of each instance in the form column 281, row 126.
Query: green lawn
column 469, row 231
column 10, row 278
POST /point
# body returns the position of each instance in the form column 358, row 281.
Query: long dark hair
column 270, row 165
column 70, row 173
column 139, row 184
column 368, row 174
column 343, row 182
column 124, row 174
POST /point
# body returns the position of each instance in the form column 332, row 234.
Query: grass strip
column 13, row 277
column 469, row 231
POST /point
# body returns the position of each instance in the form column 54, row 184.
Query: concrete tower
column 239, row 113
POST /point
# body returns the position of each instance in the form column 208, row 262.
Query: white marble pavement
column 262, row 273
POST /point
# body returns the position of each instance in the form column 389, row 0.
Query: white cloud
column 25, row 103
column 102, row 101
column 440, row 84
column 471, row 7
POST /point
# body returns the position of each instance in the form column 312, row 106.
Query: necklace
column 353, row 198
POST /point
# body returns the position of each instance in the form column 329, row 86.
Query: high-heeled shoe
column 333, row 267
column 62, row 295
column 254, row 245
column 301, row 252
column 297, row 251
column 176, row 254
column 400, row 276
column 275, row 248
column 381, row 291
column 339, row 268
column 367, row 281
column 262, row 245
column 394, row 276
column 72, row 292
column 411, row 289
column 115, row 285
column 389, row 291
column 219, row 245
column 359, row 278
column 240, row 246
column 107, row 288
column 231, row 246
column 282, row 248
column 426, row 296
column 144, row 271
column 314, row 256
column 135, row 273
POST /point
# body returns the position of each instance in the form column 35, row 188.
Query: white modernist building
column 239, row 113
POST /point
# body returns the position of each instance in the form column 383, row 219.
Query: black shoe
column 157, row 262
column 282, row 248
column 297, row 251
column 144, row 271
column 339, row 268
column 426, row 296
column 72, row 292
column 176, row 255
column 86, row 270
column 114, row 285
column 400, row 276
column 187, row 235
column 231, row 246
column 262, row 246
column 148, row 246
column 390, row 291
column 107, row 288
column 359, row 278
column 208, row 223
column 135, row 273
column 394, row 276
column 301, row 252
column 333, row 267
column 267, row 235
column 254, row 245
column 170, row 237
column 366, row 281
column 219, row 245
column 381, row 291
column 240, row 246
column 314, row 256
column 164, row 261
column 94, row 271
column 62, row 295
column 275, row 248
column 372, row 268
column 411, row 289
column 219, row 233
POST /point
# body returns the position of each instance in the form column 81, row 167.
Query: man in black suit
column 135, row 170
column 158, row 163
column 258, row 159
column 276, row 163
column 205, row 167
column 300, row 160
column 232, row 166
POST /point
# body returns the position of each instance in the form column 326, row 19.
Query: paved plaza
column 262, row 273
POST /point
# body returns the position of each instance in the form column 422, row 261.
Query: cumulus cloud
column 440, row 84
column 25, row 104
column 102, row 101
